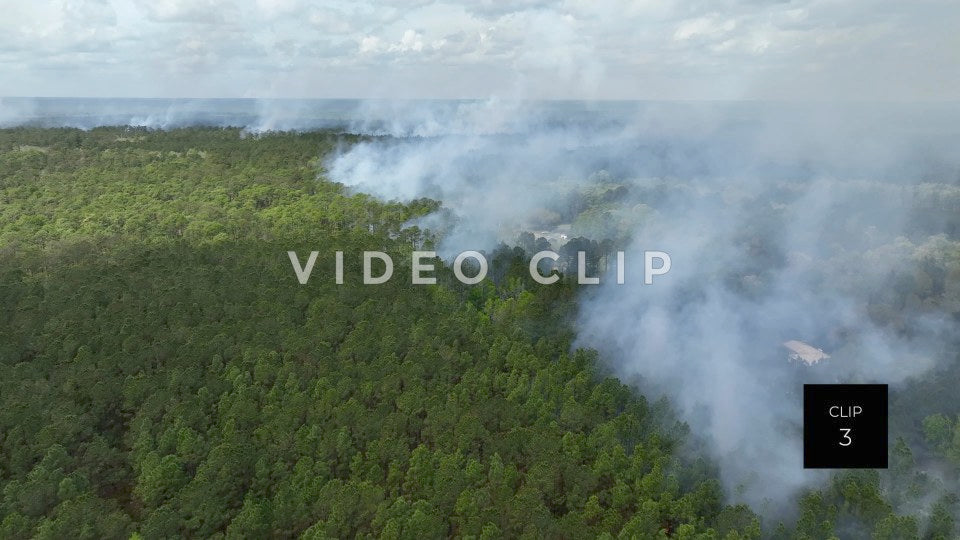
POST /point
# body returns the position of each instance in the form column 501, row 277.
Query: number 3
column 846, row 436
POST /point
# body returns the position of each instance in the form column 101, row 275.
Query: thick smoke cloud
column 781, row 220
column 709, row 334
column 497, row 166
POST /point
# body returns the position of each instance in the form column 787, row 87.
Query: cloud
column 497, row 8
column 730, row 49
column 712, row 27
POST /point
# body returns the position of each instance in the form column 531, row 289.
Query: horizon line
column 497, row 98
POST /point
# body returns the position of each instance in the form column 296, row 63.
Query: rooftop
column 801, row 351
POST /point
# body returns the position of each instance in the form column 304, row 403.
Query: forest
column 164, row 375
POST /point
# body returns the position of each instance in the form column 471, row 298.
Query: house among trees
column 803, row 352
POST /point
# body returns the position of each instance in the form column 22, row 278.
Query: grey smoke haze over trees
column 783, row 222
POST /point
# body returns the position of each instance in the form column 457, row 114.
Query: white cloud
column 370, row 44
column 411, row 41
column 710, row 27
column 724, row 49
column 188, row 11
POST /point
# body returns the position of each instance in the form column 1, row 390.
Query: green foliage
column 163, row 374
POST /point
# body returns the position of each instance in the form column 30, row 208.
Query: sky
column 807, row 50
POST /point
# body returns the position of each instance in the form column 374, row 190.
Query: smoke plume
column 782, row 222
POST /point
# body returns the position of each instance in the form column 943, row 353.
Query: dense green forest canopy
column 162, row 374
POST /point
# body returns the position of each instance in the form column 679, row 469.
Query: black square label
column 845, row 426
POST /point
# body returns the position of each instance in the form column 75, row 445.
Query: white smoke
column 780, row 220
column 15, row 111
column 253, row 115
